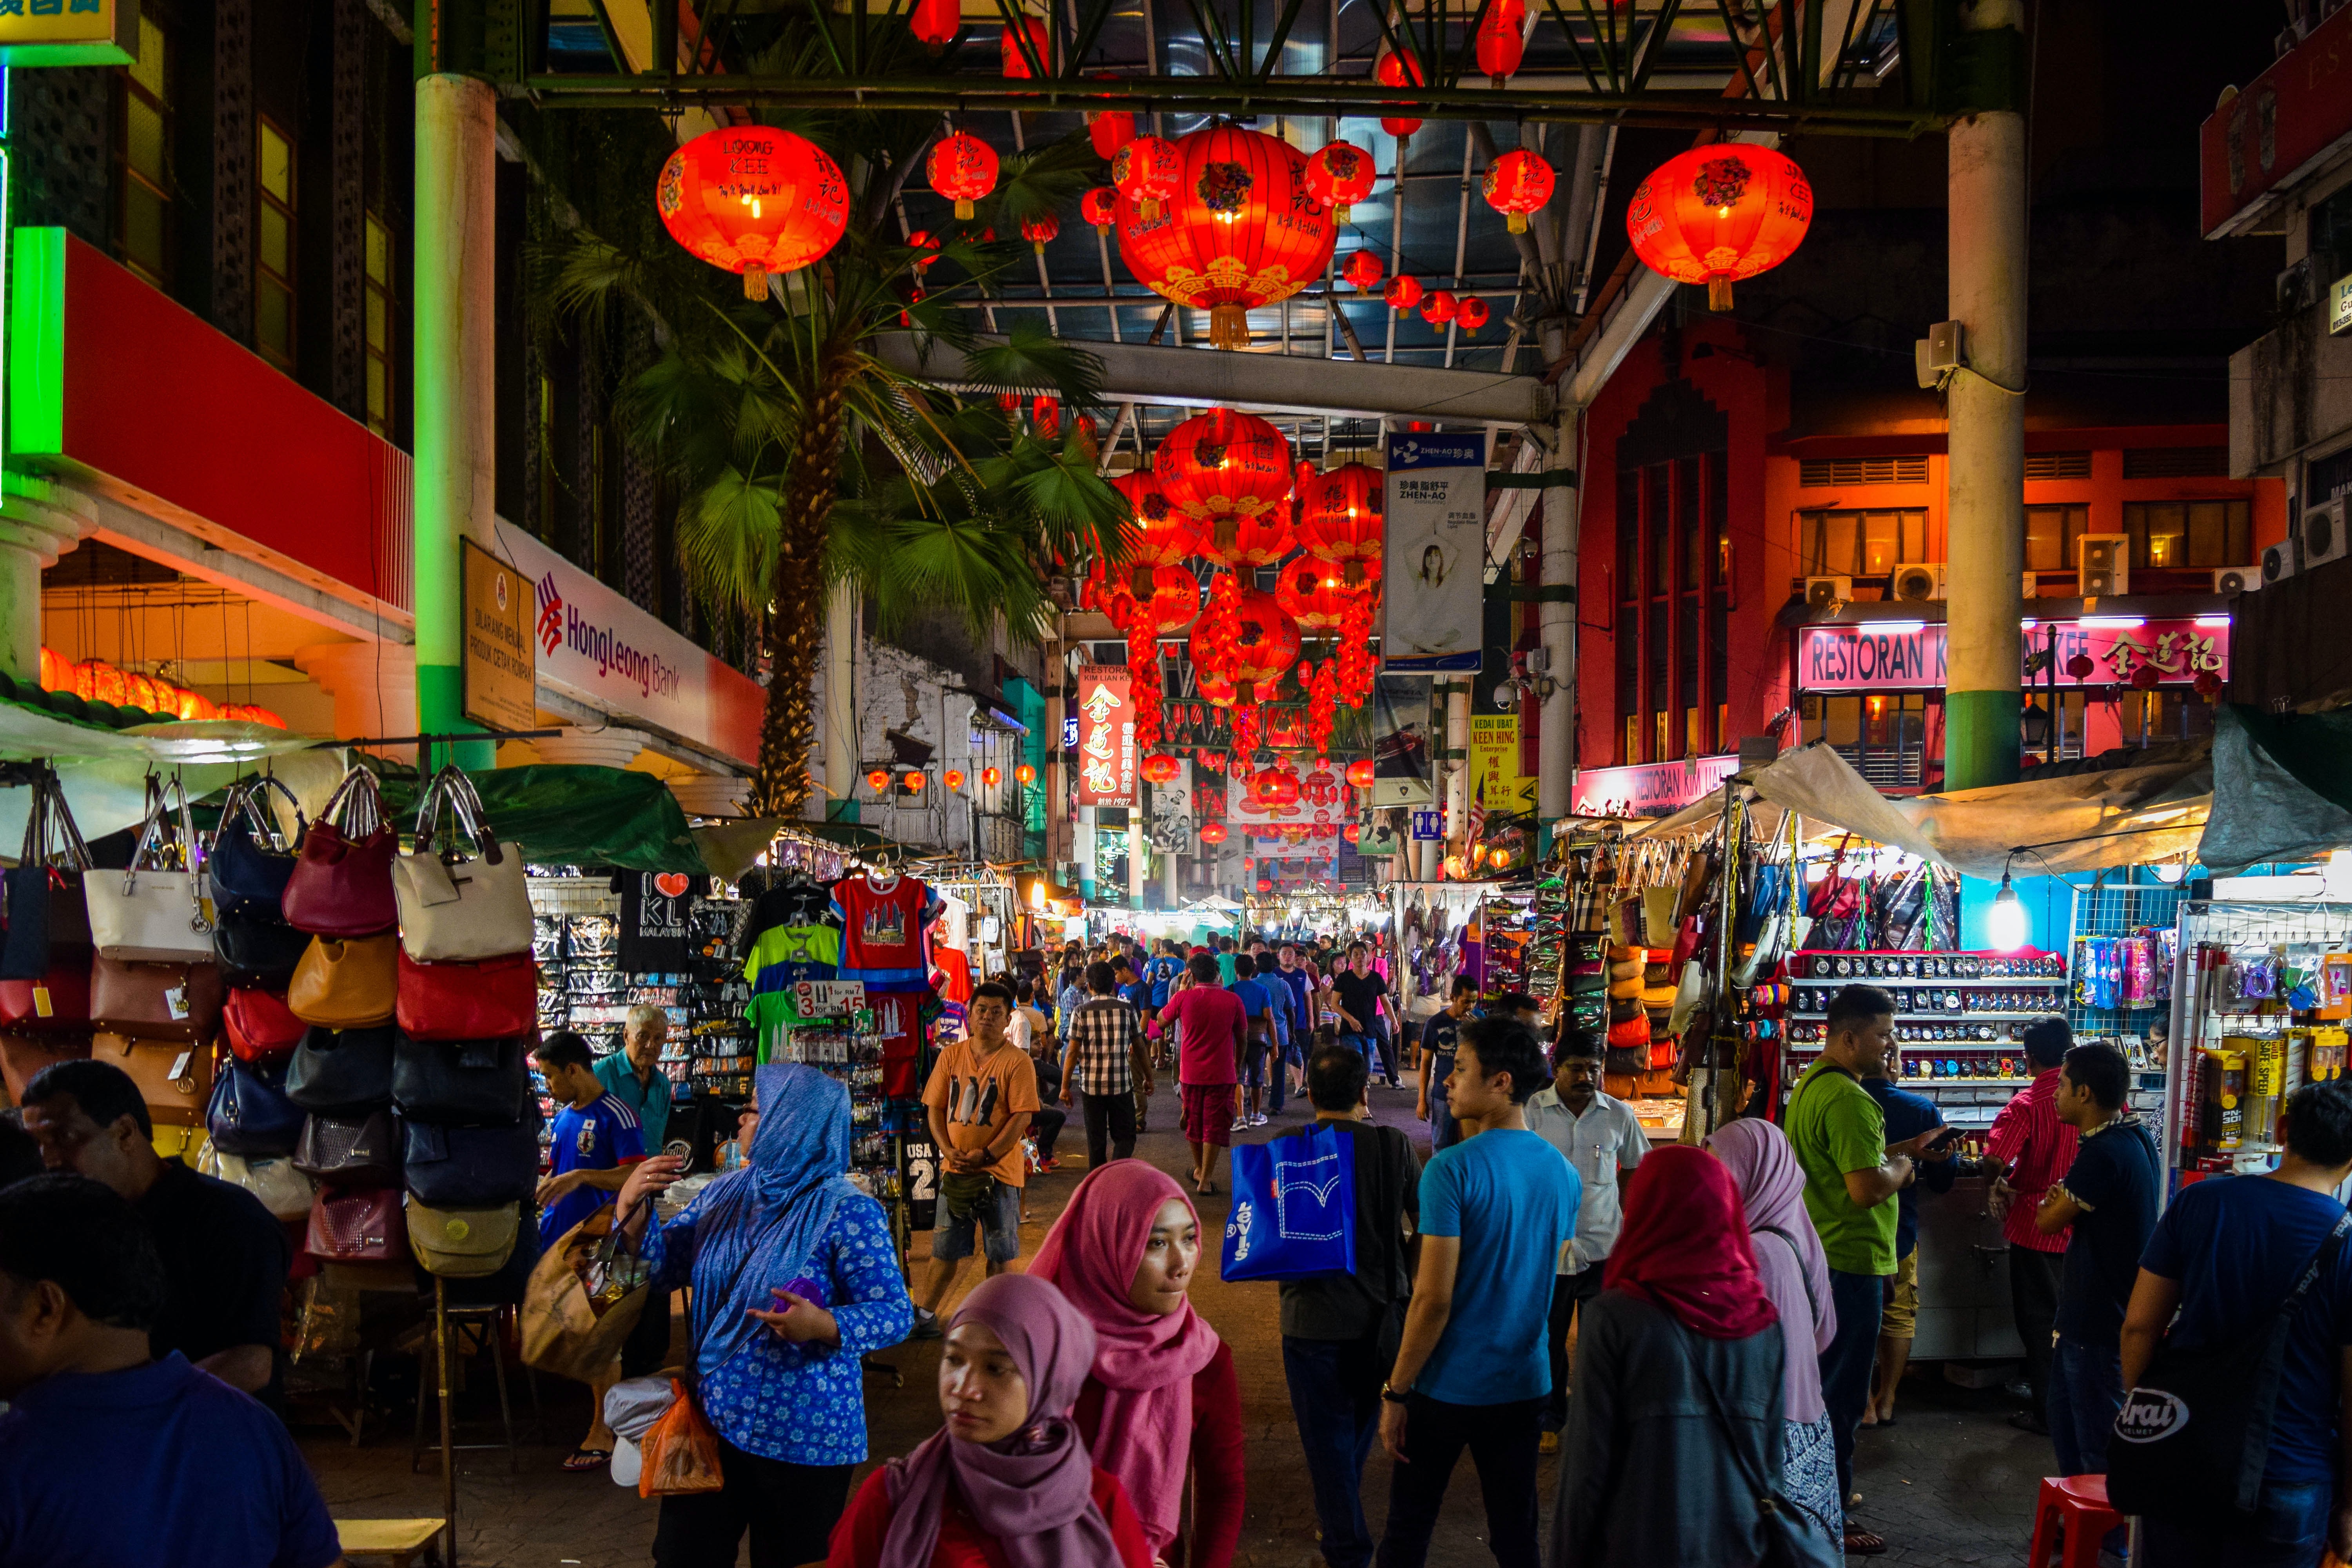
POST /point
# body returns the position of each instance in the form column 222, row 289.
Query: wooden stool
column 2077, row 1507
column 396, row 1539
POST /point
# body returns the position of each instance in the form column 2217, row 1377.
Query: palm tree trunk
column 793, row 631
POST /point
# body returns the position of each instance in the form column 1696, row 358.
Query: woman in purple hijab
column 1008, row 1483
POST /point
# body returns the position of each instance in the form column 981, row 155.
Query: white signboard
column 1436, row 574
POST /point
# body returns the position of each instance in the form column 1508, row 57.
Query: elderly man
column 633, row 1074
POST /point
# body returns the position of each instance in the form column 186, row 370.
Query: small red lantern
column 1439, row 308
column 1157, row 768
column 1402, row 293
column 1273, row 787
column 1213, row 833
column 962, row 168
column 1717, row 214
column 926, row 246
column 56, row 672
column 1263, row 886
column 1471, row 315
column 2146, row 678
column 934, row 22
column 1040, row 231
column 1148, row 172
column 1024, row 774
column 1016, row 64
column 1109, row 129
column 1362, row 271
column 954, row 777
column 1359, row 774
column 1518, row 182
column 2080, row 667
column 1045, row 415
column 878, row 780
column 754, row 200
column 1212, row 761
column 2208, row 685
column 1393, row 71
column 1352, row 833
column 913, row 781
column 1502, row 40
column 1340, row 174
column 1099, row 207
column 991, row 777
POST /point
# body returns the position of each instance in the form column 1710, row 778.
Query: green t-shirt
column 1835, row 1127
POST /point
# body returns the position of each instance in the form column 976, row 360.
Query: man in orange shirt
column 979, row 1097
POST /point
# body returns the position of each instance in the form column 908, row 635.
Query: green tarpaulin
column 565, row 816
column 2282, row 788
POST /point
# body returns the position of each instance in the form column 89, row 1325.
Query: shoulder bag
column 451, row 907
column 21, row 1058
column 249, row 1113
column 255, row 949
column 342, row 882
column 174, row 1077
column 284, row 1191
column 259, row 1026
column 176, row 999
column 363, row 1152
column 587, row 1293
column 470, row 1167
column 461, row 1083
column 357, row 1224
column 343, row 1072
column 1293, row 1208
column 1792, row 1537
column 487, row 1000
column 47, row 918
column 2193, row 1437
column 345, row 983
column 462, row 1243
column 147, row 912
column 248, row 870
column 56, row 1004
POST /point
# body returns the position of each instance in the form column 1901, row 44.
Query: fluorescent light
column 2027, row 624
column 2112, row 621
column 1895, row 625
column 2212, row 620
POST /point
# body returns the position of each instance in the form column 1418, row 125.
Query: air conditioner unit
column 2237, row 579
column 1922, row 581
column 2298, row 288
column 1828, row 593
column 2278, row 562
column 2103, row 564
column 2319, row 533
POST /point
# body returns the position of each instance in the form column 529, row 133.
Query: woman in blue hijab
column 795, row 1276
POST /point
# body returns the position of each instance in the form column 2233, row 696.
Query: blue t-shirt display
column 1512, row 1198
column 158, row 1463
column 2237, row 1245
column 599, row 1138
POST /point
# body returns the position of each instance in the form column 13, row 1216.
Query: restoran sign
column 1649, row 789
column 1910, row 658
column 1105, row 735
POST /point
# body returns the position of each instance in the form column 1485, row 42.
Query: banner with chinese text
column 1106, row 719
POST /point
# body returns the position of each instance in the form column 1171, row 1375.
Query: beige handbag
column 350, row 984
column 148, row 913
column 462, row 1243
column 284, row 1191
column 453, row 909
column 1658, row 915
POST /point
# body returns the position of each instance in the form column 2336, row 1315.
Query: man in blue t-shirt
column 1907, row 1115
column 1473, row 1369
column 109, row 1454
column 1164, row 967
column 595, row 1141
column 2224, row 1257
column 1258, row 1047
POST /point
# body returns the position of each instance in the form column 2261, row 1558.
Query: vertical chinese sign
column 1106, row 736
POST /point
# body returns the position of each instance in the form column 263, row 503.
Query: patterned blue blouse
column 805, row 1404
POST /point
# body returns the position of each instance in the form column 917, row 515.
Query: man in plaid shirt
column 1104, row 1068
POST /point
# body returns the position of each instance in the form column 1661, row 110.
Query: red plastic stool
column 2077, row 1505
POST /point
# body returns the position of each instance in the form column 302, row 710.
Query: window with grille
column 143, row 213
column 2057, row 464
column 1861, row 543
column 1673, row 612
column 378, row 283
column 2176, row 462
column 273, row 251
column 2050, row 535
column 2190, row 533
column 1862, row 471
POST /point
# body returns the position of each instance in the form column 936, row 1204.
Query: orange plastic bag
column 681, row 1451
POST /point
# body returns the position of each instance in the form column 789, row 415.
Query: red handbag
column 342, row 881
column 495, row 999
column 56, row 1004
column 357, row 1224
column 261, row 1027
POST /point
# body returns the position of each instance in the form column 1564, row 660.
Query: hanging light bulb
column 2005, row 923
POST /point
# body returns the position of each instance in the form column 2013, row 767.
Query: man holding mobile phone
column 1908, row 1116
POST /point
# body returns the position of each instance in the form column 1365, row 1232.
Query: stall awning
column 2282, row 788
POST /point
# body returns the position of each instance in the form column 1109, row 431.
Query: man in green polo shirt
column 1851, row 1175
column 634, row 1073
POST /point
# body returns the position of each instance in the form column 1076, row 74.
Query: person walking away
column 1162, row 970
column 1104, row 1067
column 1226, row 954
column 1138, row 996
column 2028, row 1150
column 795, row 1277
column 1257, row 1048
column 2224, row 1258
column 2107, row 1206
column 1336, row 1327
column 1678, row 1412
column 1037, row 1042
column 1007, row 1479
column 633, row 1076
column 979, row 1100
column 1796, row 1275
column 1851, row 1173
column 1163, row 1398
column 1299, row 979
column 1211, row 1031
column 1498, row 1213
column 1602, row 1142
column 1907, row 1115
column 1364, row 998
column 1438, row 1032
column 110, row 1452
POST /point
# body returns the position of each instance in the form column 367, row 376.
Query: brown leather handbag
column 174, row 1077
column 357, row 1224
column 175, row 1001
column 22, row 1056
column 346, row 985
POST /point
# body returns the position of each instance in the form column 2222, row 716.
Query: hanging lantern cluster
column 1322, row 702
column 1230, row 473
column 755, row 200
column 95, row 680
column 1226, row 219
column 1718, row 214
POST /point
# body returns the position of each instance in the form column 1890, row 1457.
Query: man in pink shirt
column 2029, row 1150
column 1211, row 1027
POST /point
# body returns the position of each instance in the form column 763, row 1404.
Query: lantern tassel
column 1339, row 213
column 1516, row 223
column 755, row 282
column 1229, row 327
column 1718, row 292
column 963, row 209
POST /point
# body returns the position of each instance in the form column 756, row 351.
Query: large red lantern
column 1359, row 774
column 1164, row 536
column 1157, row 768
column 1502, row 38
column 1099, row 207
column 1717, row 214
column 934, row 22
column 1213, row 832
column 1147, row 173
column 1041, row 231
column 754, row 200
column 1340, row 174
column 1340, row 519
column 1224, row 470
column 1244, row 228
column 1310, row 593
column 1264, row 644
column 1471, row 315
column 962, row 168
column 1439, row 308
column 1363, row 270
column 1518, row 182
column 1272, row 786
column 1016, row 64
column 1403, row 293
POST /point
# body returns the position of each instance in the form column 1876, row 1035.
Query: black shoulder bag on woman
column 2198, row 1421
column 1792, row 1537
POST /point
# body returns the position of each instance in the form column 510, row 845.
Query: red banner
column 1106, row 717
column 1889, row 657
column 2288, row 119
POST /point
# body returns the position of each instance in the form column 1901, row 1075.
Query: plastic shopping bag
column 681, row 1451
column 1293, row 1208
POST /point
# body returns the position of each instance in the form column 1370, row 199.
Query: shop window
column 2050, row 535
column 1882, row 735
column 2190, row 533
column 143, row 229
column 273, row 251
column 1861, row 543
column 378, row 284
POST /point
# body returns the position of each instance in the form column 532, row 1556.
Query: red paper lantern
column 57, row 671
column 1403, row 293
column 962, row 168
column 1340, row 174
column 1213, row 833
column 954, row 777
column 1471, row 315
column 1264, row 643
column 1147, row 173
column 1273, row 787
column 914, row 782
column 1502, row 38
column 2079, row 666
column 1359, row 774
column 1310, row 593
column 935, row 22
column 1439, row 308
column 1099, row 207
column 1213, row 761
column 926, row 246
column 1164, row 536
column 1242, row 229
column 1040, row 230
column 1394, row 72
column 1518, row 183
column 1109, row 129
column 1157, row 768
column 1263, row 886
column 2208, row 685
column 1226, row 470
column 1340, row 520
column 1717, row 214
column 1025, row 774
column 1045, row 415
column 754, row 200
column 1352, row 833
column 878, row 780
column 1363, row 270
column 991, row 777
column 1016, row 64
column 2146, row 678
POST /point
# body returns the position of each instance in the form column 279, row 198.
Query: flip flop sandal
column 583, row 1460
column 1862, row 1543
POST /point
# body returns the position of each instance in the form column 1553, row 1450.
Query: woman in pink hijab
column 1162, row 1396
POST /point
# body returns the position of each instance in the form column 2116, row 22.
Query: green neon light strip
column 36, row 344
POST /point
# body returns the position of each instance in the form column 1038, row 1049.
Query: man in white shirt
column 1603, row 1140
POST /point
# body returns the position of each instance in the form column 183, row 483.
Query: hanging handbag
column 47, row 916
column 462, row 1243
column 470, row 1167
column 21, row 1058
column 357, row 1224
column 255, row 951
column 148, row 913
column 249, row 870
column 179, row 1000
column 56, row 1004
column 343, row 1072
column 249, row 1113
column 484, row 1001
column 452, row 908
column 260, row 1027
column 355, row 1152
column 174, row 1077
column 342, row 882
column 461, row 1083
column 345, row 983
column 284, row 1191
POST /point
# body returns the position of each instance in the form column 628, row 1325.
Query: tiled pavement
column 1951, row 1483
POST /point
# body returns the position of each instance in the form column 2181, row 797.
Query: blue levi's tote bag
column 1293, row 1208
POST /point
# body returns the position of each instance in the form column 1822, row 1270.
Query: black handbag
column 470, row 1167
column 363, row 1151
column 255, row 951
column 461, row 1083
column 47, row 918
column 2198, row 1422
column 343, row 1073
column 248, row 874
column 249, row 1115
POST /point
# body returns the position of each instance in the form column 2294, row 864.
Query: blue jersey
column 603, row 1137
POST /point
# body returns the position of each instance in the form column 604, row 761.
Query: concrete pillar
column 1556, row 619
column 1986, row 473
column 456, row 448
column 38, row 521
column 839, row 798
column 373, row 685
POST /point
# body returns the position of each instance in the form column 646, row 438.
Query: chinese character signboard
column 1863, row 658
column 501, row 671
column 68, row 33
column 1436, row 572
column 1106, row 736
column 1495, row 776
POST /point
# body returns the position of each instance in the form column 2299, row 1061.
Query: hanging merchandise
column 260, row 1027
column 462, row 1243
column 46, row 960
column 343, row 1073
column 249, row 1116
column 886, row 918
column 342, row 882
column 492, row 998
column 452, row 908
column 346, row 985
column 247, row 867
column 654, row 935
column 150, row 911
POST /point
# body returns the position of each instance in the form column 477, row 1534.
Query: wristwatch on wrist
column 1395, row 1395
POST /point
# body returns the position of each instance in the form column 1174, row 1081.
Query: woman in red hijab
column 1675, row 1428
